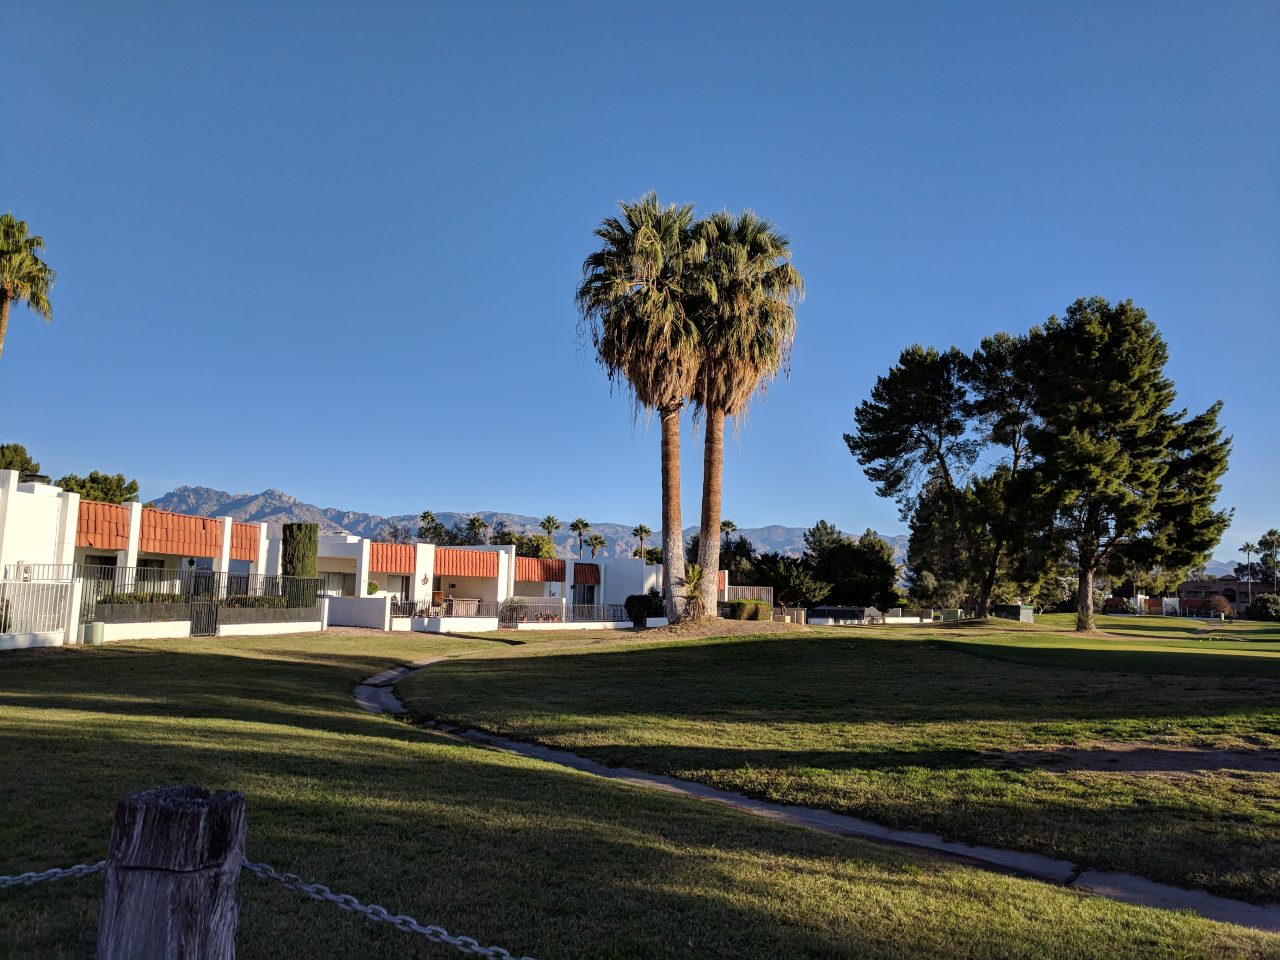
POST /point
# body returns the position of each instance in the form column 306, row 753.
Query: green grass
column 515, row 852
column 938, row 729
column 1167, row 628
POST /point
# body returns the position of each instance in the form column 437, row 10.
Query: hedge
column 749, row 610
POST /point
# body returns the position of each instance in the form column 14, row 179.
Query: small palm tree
column 550, row 524
column 1249, row 548
column 478, row 527
column 695, row 577
column 580, row 527
column 728, row 528
column 24, row 277
column 745, row 312
column 595, row 543
column 641, row 533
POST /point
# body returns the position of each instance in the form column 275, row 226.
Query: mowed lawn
column 517, row 853
column 1158, row 758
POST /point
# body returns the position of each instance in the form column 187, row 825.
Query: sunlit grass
column 519, row 853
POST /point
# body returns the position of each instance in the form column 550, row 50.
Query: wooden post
column 172, row 867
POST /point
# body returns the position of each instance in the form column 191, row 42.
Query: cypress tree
column 1130, row 479
column 300, row 545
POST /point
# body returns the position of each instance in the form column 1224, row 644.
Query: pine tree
column 1130, row 479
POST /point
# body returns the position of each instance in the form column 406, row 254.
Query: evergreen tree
column 431, row 530
column 14, row 456
column 1130, row 480
column 103, row 487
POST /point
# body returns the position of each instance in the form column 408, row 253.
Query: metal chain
column 53, row 873
column 345, row 901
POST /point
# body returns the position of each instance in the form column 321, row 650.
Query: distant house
column 1195, row 594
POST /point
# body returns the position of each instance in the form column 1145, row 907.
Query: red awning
column 455, row 562
column 585, row 574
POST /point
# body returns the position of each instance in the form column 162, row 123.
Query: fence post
column 172, row 866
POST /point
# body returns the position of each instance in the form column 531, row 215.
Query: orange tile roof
column 179, row 533
column 103, row 526
column 392, row 557
column 453, row 562
column 244, row 541
column 586, row 573
column 537, row 570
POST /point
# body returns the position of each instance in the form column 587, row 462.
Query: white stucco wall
column 371, row 612
column 470, row 588
column 37, row 522
column 21, row 641
column 161, row 630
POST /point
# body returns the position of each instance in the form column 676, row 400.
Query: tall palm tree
column 595, row 543
column 478, row 527
column 1269, row 543
column 633, row 300
column 550, row 524
column 24, row 277
column 745, row 310
column 580, row 527
column 642, row 533
column 728, row 528
column 1249, row 548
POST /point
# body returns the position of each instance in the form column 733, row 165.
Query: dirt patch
column 1138, row 758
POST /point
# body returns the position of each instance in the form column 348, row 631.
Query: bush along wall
column 641, row 606
column 748, row 610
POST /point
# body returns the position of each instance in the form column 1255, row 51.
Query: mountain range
column 276, row 508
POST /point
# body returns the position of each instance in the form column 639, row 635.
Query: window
column 397, row 584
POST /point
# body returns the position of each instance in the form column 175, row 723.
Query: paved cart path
column 377, row 695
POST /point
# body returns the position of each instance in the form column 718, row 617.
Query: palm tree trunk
column 4, row 318
column 672, row 530
column 709, row 531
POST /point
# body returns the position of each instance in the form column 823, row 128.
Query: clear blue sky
column 332, row 247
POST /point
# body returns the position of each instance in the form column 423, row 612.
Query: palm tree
column 1249, row 548
column 633, row 300
column 728, row 528
column 595, row 543
column 641, row 533
column 580, row 527
column 478, row 527
column 24, row 277
column 1269, row 543
column 550, row 524
column 745, row 310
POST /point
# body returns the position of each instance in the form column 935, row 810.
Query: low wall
column 269, row 615
column 575, row 625
column 154, row 630
column 401, row 624
column 371, row 612
column 268, row 629
column 140, row 612
column 21, row 641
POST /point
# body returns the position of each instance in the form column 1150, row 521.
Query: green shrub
column 299, row 547
column 143, row 596
column 748, row 610
column 641, row 606
column 1265, row 606
column 373, row 587
column 248, row 602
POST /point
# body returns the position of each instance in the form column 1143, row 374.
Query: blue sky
column 332, row 248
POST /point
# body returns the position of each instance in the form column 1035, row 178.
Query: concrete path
column 377, row 695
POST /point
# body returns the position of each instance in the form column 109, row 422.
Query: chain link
column 53, row 873
column 345, row 901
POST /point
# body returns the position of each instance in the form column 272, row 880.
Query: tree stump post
column 172, row 866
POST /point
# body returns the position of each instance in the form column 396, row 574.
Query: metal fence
column 39, row 571
column 33, row 606
column 555, row 610
column 151, row 592
column 449, row 607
